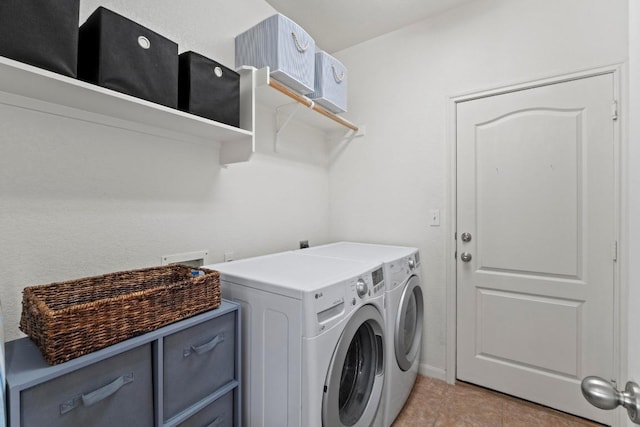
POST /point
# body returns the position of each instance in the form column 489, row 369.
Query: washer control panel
column 412, row 263
column 370, row 284
column 332, row 303
column 361, row 288
column 377, row 278
column 402, row 268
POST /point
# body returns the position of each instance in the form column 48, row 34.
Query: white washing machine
column 404, row 313
column 313, row 339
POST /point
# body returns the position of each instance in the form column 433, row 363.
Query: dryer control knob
column 361, row 288
column 412, row 263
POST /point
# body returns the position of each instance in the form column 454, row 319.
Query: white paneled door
column 536, row 241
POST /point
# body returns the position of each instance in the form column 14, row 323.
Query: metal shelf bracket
column 281, row 126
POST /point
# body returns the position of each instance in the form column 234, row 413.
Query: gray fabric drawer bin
column 284, row 47
column 113, row 392
column 218, row 414
column 331, row 83
column 197, row 362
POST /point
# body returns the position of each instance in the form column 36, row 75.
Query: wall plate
column 194, row 259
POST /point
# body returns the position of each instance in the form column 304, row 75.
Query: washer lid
column 290, row 273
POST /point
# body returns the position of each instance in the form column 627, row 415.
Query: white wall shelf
column 32, row 88
column 292, row 105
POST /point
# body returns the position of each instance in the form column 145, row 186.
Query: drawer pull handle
column 204, row 348
column 106, row 391
column 216, row 422
column 96, row 395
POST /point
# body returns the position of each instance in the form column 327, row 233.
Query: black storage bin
column 43, row 33
column 119, row 54
column 209, row 89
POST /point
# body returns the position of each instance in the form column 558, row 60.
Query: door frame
column 621, row 218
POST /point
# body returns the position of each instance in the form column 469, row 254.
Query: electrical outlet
column 304, row 244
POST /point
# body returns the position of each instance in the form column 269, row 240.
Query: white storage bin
column 283, row 46
column 330, row 83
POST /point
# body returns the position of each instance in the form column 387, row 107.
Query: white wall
column 79, row 199
column 384, row 186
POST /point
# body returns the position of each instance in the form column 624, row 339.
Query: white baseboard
column 433, row 372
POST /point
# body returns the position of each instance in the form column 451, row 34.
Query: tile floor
column 436, row 403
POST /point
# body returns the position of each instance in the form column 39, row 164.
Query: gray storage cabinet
column 184, row 374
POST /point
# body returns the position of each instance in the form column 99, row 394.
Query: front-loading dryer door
column 408, row 326
column 353, row 387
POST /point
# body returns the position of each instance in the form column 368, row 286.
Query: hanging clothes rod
column 310, row 104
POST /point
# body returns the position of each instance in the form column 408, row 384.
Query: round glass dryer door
column 408, row 327
column 353, row 388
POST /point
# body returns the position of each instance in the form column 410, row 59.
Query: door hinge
column 614, row 110
column 615, row 250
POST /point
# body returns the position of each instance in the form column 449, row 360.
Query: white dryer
column 313, row 338
column 404, row 313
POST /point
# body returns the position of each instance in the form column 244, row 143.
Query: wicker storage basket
column 69, row 319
